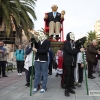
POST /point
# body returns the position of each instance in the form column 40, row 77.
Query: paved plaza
column 13, row 88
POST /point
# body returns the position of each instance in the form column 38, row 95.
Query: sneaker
column 18, row 74
column 34, row 90
column 42, row 90
column 27, row 85
column 99, row 75
column 79, row 84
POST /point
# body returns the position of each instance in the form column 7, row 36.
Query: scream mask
column 72, row 36
column 41, row 36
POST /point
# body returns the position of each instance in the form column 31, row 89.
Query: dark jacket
column 98, row 54
column 28, row 50
column 91, row 53
column 70, row 55
column 51, row 18
column 51, row 54
column 42, row 50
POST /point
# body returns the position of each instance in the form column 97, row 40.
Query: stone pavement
column 12, row 88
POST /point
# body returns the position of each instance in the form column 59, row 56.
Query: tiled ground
column 12, row 88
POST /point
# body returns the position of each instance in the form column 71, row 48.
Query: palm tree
column 91, row 36
column 19, row 11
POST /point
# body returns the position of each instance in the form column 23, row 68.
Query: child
column 80, row 68
column 60, row 62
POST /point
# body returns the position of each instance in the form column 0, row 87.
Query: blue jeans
column 41, row 68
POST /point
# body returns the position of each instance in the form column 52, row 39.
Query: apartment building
column 97, row 29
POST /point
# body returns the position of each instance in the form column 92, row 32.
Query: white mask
column 41, row 36
column 72, row 36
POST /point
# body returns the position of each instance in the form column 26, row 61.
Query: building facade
column 97, row 29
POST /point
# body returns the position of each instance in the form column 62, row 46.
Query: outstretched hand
column 62, row 16
column 46, row 16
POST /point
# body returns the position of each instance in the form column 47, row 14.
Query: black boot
column 67, row 93
column 71, row 91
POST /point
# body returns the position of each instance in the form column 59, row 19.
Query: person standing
column 91, row 53
column 51, row 56
column 98, row 58
column 41, row 62
column 80, row 64
column 3, row 59
column 60, row 62
column 69, row 58
column 20, row 55
column 28, row 63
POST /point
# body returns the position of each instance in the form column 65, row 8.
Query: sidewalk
column 12, row 88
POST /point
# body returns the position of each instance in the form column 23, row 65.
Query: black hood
column 68, row 36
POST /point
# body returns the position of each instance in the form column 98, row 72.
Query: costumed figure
column 41, row 51
column 54, row 19
column 69, row 58
column 60, row 62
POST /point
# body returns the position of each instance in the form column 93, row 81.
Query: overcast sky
column 79, row 18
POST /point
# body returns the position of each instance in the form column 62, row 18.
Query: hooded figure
column 70, row 51
column 70, row 55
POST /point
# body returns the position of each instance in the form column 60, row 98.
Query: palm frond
column 31, row 11
column 17, row 3
column 5, row 10
column 16, row 15
column 7, row 25
column 25, row 27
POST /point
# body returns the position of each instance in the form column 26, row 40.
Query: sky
column 79, row 18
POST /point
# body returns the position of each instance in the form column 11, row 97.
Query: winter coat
column 20, row 54
column 91, row 53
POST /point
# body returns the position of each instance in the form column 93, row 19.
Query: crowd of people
column 68, row 61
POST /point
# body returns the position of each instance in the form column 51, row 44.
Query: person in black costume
column 70, row 56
